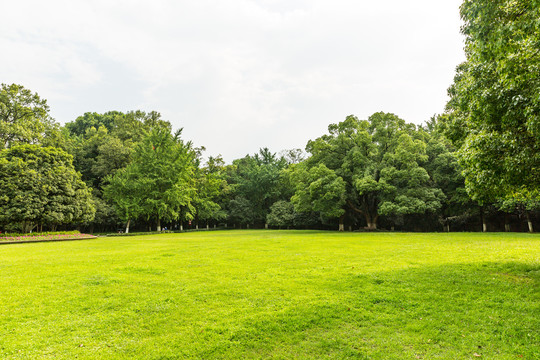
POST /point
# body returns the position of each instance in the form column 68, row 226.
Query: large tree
column 159, row 180
column 494, row 110
column 24, row 117
column 380, row 161
column 39, row 186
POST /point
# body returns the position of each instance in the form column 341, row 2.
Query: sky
column 236, row 75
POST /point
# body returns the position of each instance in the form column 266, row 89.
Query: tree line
column 474, row 167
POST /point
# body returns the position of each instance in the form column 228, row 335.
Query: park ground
column 273, row 294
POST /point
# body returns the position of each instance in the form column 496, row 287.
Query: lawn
column 273, row 294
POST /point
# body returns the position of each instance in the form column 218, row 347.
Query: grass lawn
column 273, row 294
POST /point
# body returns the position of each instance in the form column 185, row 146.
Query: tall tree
column 495, row 100
column 160, row 178
column 380, row 161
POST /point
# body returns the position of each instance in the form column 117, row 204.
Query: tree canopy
column 494, row 110
column 369, row 167
column 39, row 186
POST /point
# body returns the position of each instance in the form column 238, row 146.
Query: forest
column 474, row 167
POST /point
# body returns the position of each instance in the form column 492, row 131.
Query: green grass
column 273, row 294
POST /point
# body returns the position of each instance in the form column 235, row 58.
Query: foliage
column 256, row 179
column 380, row 164
column 281, row 214
column 159, row 181
column 24, row 117
column 495, row 99
column 318, row 189
column 40, row 186
column 211, row 186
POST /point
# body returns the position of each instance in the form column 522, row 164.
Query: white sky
column 237, row 75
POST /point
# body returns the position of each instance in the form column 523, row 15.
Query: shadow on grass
column 488, row 310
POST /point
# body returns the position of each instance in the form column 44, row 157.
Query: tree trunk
column 529, row 222
column 158, row 224
column 506, row 223
column 207, row 226
column 484, row 225
column 371, row 221
column 181, row 227
column 197, row 226
column 341, row 225
column 127, row 226
column 266, row 226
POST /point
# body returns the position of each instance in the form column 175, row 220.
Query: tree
column 281, row 214
column 39, row 186
column 210, row 184
column 380, row 163
column 24, row 117
column 495, row 100
column 319, row 189
column 444, row 170
column 159, row 179
column 257, row 179
column 123, row 191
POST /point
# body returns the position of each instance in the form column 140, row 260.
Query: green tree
column 380, row 162
column 444, row 169
column 39, row 186
column 123, row 190
column 24, row 117
column 495, row 101
column 281, row 214
column 159, row 179
column 319, row 189
column 257, row 180
column 210, row 187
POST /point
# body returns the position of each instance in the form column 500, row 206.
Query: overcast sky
column 237, row 75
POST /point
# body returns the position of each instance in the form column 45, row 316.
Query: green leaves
column 495, row 98
column 159, row 182
column 40, row 186
column 318, row 189
column 367, row 167
column 24, row 116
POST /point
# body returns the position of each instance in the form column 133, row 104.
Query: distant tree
column 210, row 186
column 241, row 211
column 89, row 120
column 159, row 179
column 293, row 156
column 257, row 179
column 281, row 214
column 39, row 186
column 24, row 117
column 319, row 189
column 123, row 190
column 379, row 160
column 444, row 170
